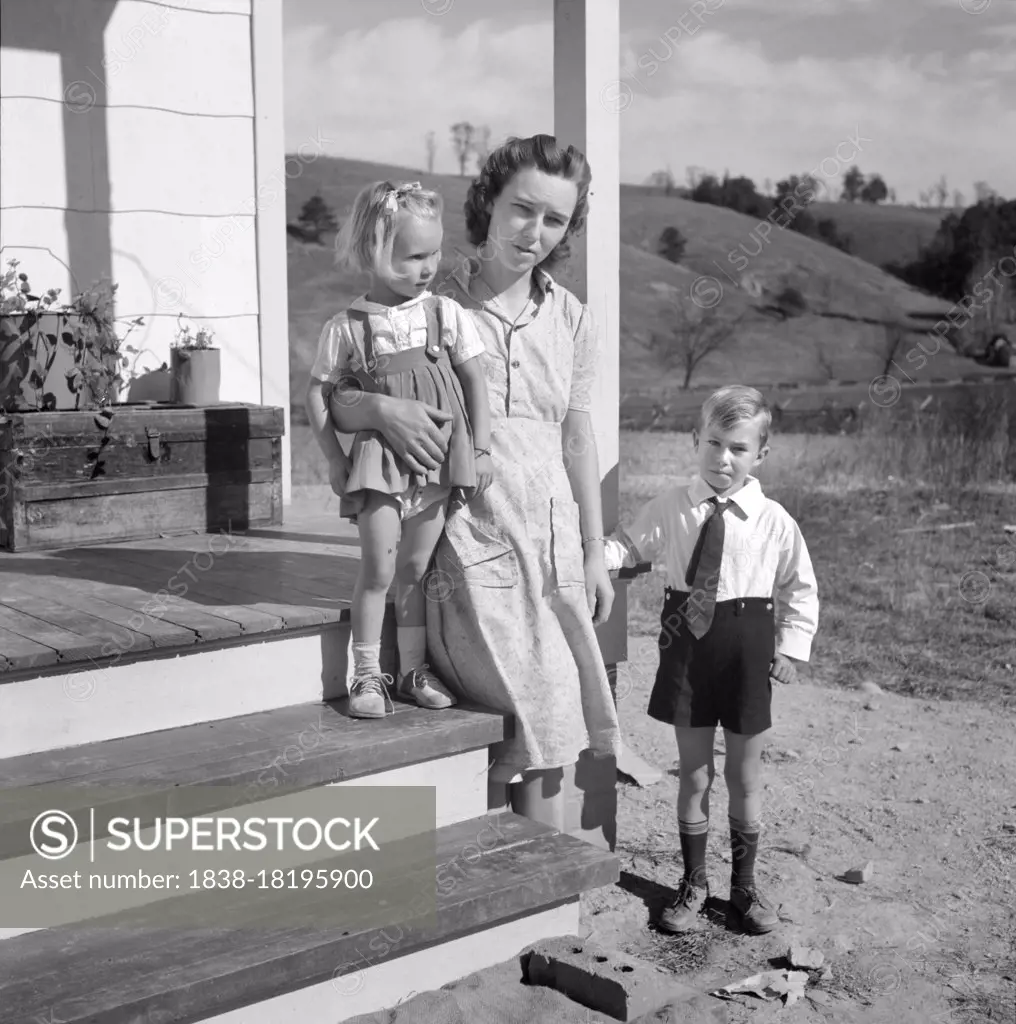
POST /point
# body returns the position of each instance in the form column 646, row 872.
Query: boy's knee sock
column 366, row 659
column 694, row 835
column 412, row 641
column 744, row 837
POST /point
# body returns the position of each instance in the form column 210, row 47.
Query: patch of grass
column 918, row 610
column 883, row 234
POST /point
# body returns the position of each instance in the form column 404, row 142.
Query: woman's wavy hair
column 368, row 234
column 543, row 153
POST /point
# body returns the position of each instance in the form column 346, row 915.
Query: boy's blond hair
column 734, row 403
column 366, row 239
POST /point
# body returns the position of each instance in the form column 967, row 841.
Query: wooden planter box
column 158, row 469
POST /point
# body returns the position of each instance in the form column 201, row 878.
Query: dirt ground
column 923, row 789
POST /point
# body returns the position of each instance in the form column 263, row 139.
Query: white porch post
column 270, row 215
column 586, row 65
column 587, row 44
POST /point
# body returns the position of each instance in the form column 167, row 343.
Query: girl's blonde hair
column 366, row 239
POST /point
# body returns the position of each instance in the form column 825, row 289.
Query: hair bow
column 395, row 194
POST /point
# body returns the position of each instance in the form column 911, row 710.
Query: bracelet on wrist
column 589, row 540
column 481, row 451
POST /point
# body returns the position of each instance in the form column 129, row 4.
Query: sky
column 909, row 89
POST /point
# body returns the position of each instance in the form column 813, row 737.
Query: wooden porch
column 110, row 604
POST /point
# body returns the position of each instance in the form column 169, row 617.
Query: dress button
column 516, row 364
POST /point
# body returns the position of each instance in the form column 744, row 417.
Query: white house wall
column 161, row 129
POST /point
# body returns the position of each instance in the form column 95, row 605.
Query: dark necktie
column 704, row 571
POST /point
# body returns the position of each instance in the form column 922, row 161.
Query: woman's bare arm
column 582, row 463
column 474, row 390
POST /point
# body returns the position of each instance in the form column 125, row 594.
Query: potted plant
column 80, row 466
column 195, row 365
column 57, row 355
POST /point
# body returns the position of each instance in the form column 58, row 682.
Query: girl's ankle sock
column 694, row 835
column 744, row 837
column 366, row 659
column 412, row 641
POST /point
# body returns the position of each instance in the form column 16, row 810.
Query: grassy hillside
column 827, row 341
column 883, row 234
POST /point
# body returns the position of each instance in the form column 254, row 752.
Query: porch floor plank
column 149, row 579
column 65, row 605
column 119, row 609
column 289, row 579
column 41, row 632
column 20, row 653
column 241, row 583
column 50, row 608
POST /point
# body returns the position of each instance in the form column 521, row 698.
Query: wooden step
column 215, row 766
column 138, row 966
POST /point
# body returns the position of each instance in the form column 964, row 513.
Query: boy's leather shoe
column 751, row 911
column 682, row 915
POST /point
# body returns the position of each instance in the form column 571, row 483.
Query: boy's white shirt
column 764, row 553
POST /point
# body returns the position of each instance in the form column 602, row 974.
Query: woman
column 519, row 577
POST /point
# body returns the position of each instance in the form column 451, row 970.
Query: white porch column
column 586, row 67
column 270, row 219
column 587, row 44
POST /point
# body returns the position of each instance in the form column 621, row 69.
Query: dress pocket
column 479, row 554
column 566, row 543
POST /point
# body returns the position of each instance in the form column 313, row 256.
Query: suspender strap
column 375, row 368
column 435, row 325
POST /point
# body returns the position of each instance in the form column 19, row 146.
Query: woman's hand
column 413, row 429
column 484, row 474
column 599, row 588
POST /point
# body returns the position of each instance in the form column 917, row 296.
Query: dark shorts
column 723, row 678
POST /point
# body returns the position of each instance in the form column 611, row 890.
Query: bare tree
column 940, row 190
column 431, row 140
column 663, row 180
column 463, row 134
column 693, row 175
column 958, row 199
column 694, row 333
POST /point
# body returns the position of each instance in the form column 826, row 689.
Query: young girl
column 400, row 340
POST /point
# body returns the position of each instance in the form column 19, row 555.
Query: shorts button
column 769, row 606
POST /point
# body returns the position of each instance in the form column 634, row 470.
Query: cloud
column 378, row 92
column 712, row 101
column 719, row 104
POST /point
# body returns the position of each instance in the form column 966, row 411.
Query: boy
column 741, row 608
